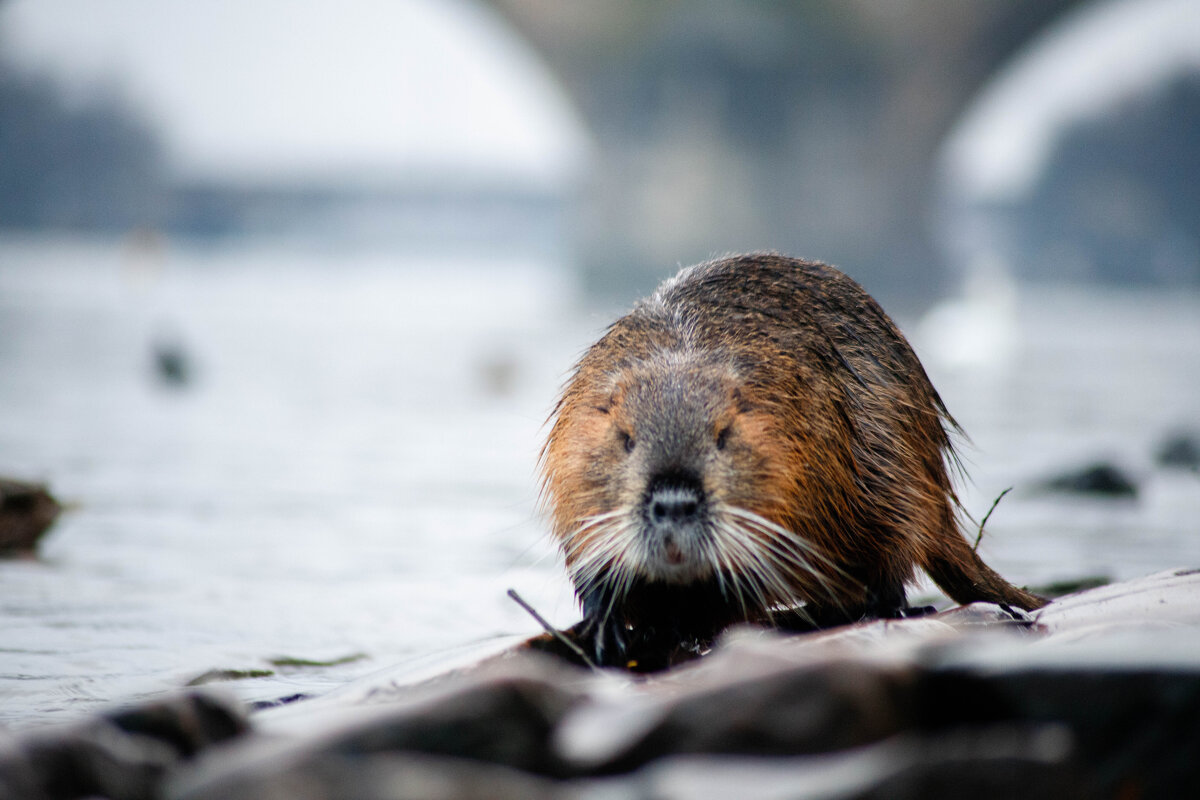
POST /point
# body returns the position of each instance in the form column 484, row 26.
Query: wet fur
column 793, row 407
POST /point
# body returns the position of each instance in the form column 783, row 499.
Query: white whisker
column 773, row 552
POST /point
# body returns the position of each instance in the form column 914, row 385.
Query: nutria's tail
column 961, row 573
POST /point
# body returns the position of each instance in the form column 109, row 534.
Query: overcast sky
column 277, row 88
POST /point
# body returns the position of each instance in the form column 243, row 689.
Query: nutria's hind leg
column 962, row 575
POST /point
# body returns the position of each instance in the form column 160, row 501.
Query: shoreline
column 1097, row 695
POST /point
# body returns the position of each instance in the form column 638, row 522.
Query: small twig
column 996, row 502
column 550, row 629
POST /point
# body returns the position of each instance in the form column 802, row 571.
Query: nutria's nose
column 674, row 505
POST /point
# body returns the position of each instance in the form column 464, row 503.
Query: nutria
column 754, row 438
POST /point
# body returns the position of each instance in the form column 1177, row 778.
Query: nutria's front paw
column 603, row 639
column 908, row 612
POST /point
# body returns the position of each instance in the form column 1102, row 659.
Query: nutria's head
column 670, row 470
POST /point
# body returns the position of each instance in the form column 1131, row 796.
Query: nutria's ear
column 617, row 398
column 607, row 404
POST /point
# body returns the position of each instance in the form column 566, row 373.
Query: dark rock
column 1137, row 731
column 1031, row 762
column 18, row 778
column 1098, row 479
column 1071, row 586
column 97, row 759
column 1179, row 451
column 188, row 723
column 491, row 734
column 374, row 776
column 813, row 709
column 503, row 722
column 172, row 365
column 121, row 756
column 27, row 510
column 987, row 764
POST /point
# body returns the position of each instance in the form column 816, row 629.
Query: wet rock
column 122, row 756
column 172, row 364
column 505, row 722
column 1179, row 451
column 1164, row 601
column 1071, row 586
column 374, row 776
column 494, row 731
column 96, row 760
column 188, row 723
column 989, row 764
column 983, row 763
column 1098, row 479
column 27, row 510
column 811, row 709
column 1135, row 730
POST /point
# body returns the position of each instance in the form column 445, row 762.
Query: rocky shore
column 1097, row 695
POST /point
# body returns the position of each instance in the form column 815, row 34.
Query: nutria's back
column 757, row 434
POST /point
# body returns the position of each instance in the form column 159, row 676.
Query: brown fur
column 762, row 384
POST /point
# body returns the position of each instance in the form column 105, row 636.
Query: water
column 351, row 472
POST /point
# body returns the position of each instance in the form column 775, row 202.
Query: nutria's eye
column 723, row 437
column 627, row 442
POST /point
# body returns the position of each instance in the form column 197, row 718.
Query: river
column 346, row 473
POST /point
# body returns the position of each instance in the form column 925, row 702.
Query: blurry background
column 287, row 290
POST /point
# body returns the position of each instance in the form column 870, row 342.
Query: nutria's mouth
column 677, row 557
column 673, row 552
